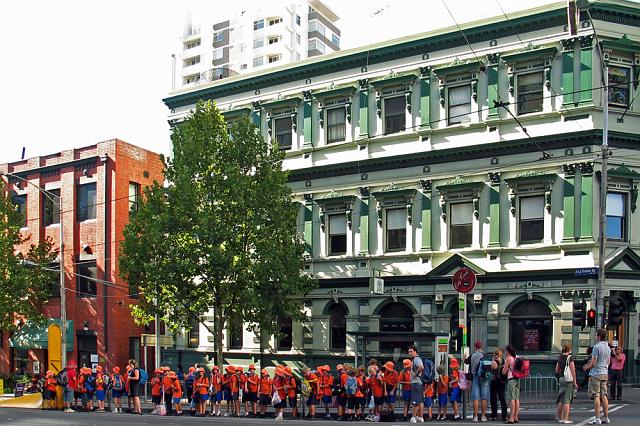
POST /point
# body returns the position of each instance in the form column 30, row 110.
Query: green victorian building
column 418, row 156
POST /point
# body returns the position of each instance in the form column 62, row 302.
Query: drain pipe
column 107, row 261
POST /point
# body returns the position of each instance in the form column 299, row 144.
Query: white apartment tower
column 281, row 32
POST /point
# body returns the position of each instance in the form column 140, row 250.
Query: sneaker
column 605, row 420
column 595, row 422
column 457, row 418
column 567, row 422
column 420, row 419
column 413, row 420
column 475, row 419
column 328, row 416
column 279, row 417
column 483, row 419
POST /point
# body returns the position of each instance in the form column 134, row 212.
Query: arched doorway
column 531, row 327
column 397, row 318
column 337, row 327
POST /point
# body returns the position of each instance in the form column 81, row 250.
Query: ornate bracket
column 442, row 93
column 409, row 208
column 547, row 201
column 407, row 100
column 379, row 214
column 586, row 168
column 634, row 198
column 379, row 104
column 349, row 214
column 323, row 218
column 426, row 184
column 476, row 207
column 569, row 169
column 494, row 177
column 363, row 84
column 547, row 76
column 308, row 197
column 363, row 191
column 443, row 208
column 474, row 90
column 512, row 79
column 321, row 115
column 569, row 44
column 294, row 121
column 306, row 94
column 347, row 107
column 512, row 201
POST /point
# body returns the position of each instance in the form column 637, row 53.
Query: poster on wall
column 531, row 339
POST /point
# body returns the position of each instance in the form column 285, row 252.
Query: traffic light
column 591, row 318
column 615, row 311
column 579, row 313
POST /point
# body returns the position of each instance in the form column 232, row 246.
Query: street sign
column 585, row 272
column 378, row 286
column 464, row 280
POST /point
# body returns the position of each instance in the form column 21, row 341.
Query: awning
column 37, row 336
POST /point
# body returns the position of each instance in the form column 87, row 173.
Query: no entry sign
column 464, row 280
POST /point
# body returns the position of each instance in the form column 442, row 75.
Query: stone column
column 503, row 329
column 320, row 334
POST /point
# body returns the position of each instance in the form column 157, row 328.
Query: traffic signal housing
column 615, row 312
column 579, row 313
column 591, row 318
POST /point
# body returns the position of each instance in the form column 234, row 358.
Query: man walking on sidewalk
column 599, row 364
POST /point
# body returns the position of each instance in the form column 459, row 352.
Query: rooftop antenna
column 24, row 151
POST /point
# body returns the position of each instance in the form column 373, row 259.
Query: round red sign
column 464, row 280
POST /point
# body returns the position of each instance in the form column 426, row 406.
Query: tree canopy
column 25, row 281
column 221, row 234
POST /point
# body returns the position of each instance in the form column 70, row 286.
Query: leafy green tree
column 221, row 235
column 25, row 278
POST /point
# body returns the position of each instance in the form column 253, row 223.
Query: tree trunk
column 218, row 324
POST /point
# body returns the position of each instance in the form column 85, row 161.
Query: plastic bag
column 276, row 398
column 372, row 403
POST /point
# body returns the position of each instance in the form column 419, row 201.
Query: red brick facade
column 112, row 165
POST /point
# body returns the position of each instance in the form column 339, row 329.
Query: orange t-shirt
column 443, row 384
column 51, row 384
column 455, row 375
column 278, row 384
column 81, row 380
column 201, row 385
column 166, row 384
column 265, row 386
column 314, row 383
column 391, row 378
column 252, row 383
column 226, row 379
column 428, row 390
column 326, row 383
column 343, row 382
column 216, row 382
column 100, row 381
column 375, row 383
column 291, row 386
column 405, row 376
column 177, row 389
column 155, row 386
column 360, row 381
column 242, row 379
column 234, row 384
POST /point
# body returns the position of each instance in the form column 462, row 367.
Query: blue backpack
column 90, row 383
column 143, row 377
column 428, row 373
column 117, row 383
column 351, row 386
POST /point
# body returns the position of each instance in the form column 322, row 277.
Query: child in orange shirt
column 176, row 390
column 361, row 394
column 404, row 378
column 100, row 388
column 49, row 391
column 167, row 389
column 250, row 396
column 201, row 392
column 443, row 389
column 216, row 391
column 234, row 387
column 456, row 396
column 390, row 386
column 375, row 382
column 326, row 388
column 428, row 399
column 156, row 388
column 265, row 391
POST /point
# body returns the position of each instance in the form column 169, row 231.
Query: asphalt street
column 621, row 414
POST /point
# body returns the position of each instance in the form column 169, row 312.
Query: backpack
column 305, row 388
column 463, row 383
column 189, row 381
column 351, row 386
column 337, row 387
column 568, row 377
column 484, row 369
column 90, row 383
column 143, row 377
column 117, row 382
column 520, row 368
column 428, row 373
column 62, row 378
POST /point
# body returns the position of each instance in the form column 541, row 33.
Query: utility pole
column 603, row 197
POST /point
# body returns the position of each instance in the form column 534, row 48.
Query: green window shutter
column 364, row 225
column 425, row 91
column 364, row 108
column 569, row 203
column 586, row 69
column 493, row 89
column 307, row 121
column 426, row 216
column 308, row 229
column 568, row 84
column 494, row 211
column 586, row 201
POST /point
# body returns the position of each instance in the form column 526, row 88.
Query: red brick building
column 98, row 186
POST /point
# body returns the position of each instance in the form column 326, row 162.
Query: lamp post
column 63, row 305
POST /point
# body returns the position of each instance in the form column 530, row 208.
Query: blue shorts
column 428, row 401
column 217, row 397
column 479, row 389
column 327, row 400
column 265, row 400
column 442, row 399
column 406, row 395
column 100, row 395
column 227, row 395
column 116, row 394
column 204, row 397
column 456, row 395
column 68, row 395
column 390, row 398
column 176, row 400
column 312, row 400
column 235, row 396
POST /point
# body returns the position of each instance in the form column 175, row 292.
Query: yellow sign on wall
column 1, row 386
column 55, row 348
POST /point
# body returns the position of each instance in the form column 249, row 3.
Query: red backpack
column 520, row 368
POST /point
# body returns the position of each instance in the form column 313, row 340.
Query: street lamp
column 57, row 199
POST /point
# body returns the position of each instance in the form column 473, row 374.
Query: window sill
column 463, row 127
column 87, row 221
column 52, row 225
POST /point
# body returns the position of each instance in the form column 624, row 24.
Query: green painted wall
column 494, row 215
column 567, row 77
column 426, row 221
column 493, row 89
column 586, row 75
column 307, row 122
column 569, row 209
column 308, row 229
column 364, row 113
column 586, row 207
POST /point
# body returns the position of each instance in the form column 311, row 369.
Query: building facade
column 256, row 39
column 98, row 185
column 415, row 157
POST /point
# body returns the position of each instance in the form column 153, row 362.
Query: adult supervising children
column 480, row 392
column 417, row 389
column 598, row 377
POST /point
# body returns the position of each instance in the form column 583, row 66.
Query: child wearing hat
column 326, row 388
column 443, row 389
column 251, row 395
column 176, row 393
column 117, row 388
column 201, row 392
column 375, row 382
column 278, row 386
column 167, row 390
column 156, row 388
column 216, row 391
column 404, row 379
column 265, row 390
column 70, row 377
column 100, row 388
column 390, row 385
column 290, row 389
column 49, row 391
column 456, row 396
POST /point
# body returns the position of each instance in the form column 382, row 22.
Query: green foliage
column 221, row 234
column 24, row 283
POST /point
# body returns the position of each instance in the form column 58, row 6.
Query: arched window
column 397, row 318
column 338, row 327
column 455, row 344
column 531, row 327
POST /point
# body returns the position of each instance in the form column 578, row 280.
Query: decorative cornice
column 569, row 169
column 393, row 78
column 458, row 67
column 460, row 184
column 624, row 172
column 236, row 112
column 340, row 91
column 623, row 44
column 529, row 52
column 281, row 103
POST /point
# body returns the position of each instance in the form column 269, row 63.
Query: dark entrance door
column 87, row 346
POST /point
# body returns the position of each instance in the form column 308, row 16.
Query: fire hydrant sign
column 464, row 280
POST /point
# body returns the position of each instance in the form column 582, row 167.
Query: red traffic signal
column 591, row 317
